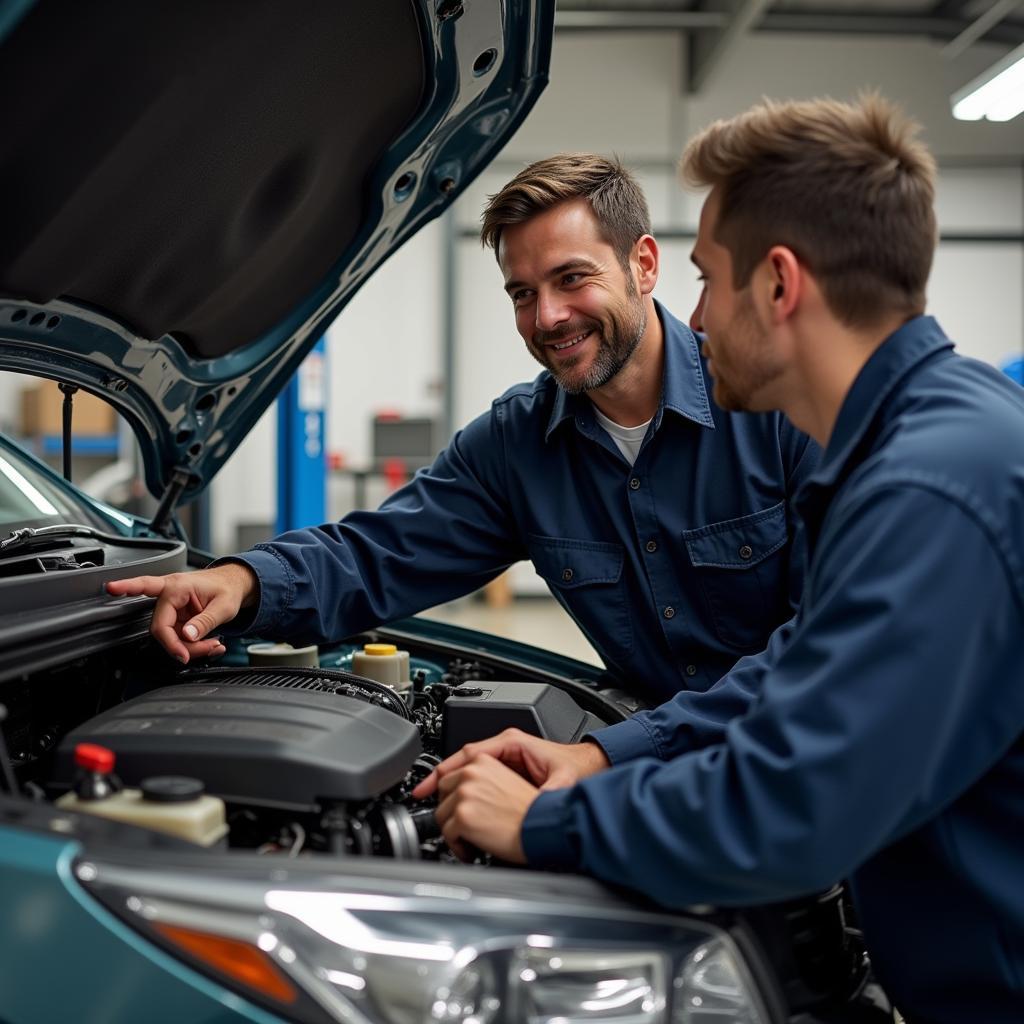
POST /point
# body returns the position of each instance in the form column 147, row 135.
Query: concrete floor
column 539, row 621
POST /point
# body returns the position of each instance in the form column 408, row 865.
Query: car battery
column 477, row 711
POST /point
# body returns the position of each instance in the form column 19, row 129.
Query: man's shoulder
column 528, row 398
column 956, row 430
column 961, row 420
column 517, row 420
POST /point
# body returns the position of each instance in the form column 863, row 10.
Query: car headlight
column 387, row 950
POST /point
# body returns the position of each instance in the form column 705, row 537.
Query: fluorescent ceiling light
column 997, row 94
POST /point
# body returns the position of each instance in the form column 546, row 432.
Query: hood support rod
column 66, row 412
column 162, row 518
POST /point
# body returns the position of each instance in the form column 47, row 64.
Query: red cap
column 94, row 758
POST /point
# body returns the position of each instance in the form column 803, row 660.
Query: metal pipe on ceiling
column 995, row 14
column 806, row 21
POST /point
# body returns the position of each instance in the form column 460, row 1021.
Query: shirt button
column 746, row 551
column 567, row 575
column 634, row 483
column 652, row 546
column 691, row 670
column 669, row 612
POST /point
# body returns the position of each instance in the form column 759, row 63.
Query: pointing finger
column 149, row 586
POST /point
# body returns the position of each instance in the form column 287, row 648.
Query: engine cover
column 254, row 745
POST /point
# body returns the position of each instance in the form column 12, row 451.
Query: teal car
column 191, row 192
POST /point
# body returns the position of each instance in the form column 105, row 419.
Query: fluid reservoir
column 283, row 655
column 385, row 663
column 167, row 803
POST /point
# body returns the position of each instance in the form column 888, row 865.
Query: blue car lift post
column 301, row 444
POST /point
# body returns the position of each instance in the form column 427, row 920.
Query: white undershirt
column 627, row 439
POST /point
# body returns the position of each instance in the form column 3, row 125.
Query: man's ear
column 646, row 258
column 785, row 282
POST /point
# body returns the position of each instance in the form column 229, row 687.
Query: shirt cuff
column 544, row 834
column 625, row 741
column 274, row 594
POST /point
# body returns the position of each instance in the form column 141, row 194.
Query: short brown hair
column 847, row 186
column 613, row 193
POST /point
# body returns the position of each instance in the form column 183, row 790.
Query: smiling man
column 662, row 525
column 886, row 742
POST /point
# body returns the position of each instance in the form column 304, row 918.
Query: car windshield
column 28, row 497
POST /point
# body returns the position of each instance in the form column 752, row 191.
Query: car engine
column 305, row 760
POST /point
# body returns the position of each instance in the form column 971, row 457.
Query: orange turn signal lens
column 236, row 959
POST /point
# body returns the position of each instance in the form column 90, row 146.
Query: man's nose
column 697, row 316
column 551, row 311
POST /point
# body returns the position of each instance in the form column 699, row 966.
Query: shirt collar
column 683, row 389
column 904, row 349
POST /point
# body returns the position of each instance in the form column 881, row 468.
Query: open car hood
column 191, row 191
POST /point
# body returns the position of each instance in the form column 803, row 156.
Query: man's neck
column 830, row 359
column 632, row 396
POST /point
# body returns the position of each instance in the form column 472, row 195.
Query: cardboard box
column 42, row 407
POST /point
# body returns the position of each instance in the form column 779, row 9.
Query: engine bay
column 320, row 762
column 305, row 759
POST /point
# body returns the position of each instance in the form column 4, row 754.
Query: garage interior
column 288, row 862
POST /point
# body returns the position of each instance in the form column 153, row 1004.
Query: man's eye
column 571, row 278
column 521, row 296
column 702, row 278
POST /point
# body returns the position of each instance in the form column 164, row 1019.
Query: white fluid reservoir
column 384, row 663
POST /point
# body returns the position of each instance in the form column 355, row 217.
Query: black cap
column 171, row 789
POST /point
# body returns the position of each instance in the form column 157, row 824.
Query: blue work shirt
column 886, row 738
column 673, row 568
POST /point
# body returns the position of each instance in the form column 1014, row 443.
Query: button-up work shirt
column 885, row 740
column 673, row 567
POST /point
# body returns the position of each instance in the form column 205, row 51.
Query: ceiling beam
column 950, row 8
column 625, row 18
column 709, row 50
column 970, row 35
column 879, row 23
column 897, row 23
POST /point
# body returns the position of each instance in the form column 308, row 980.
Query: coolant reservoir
column 167, row 803
column 274, row 655
column 385, row 663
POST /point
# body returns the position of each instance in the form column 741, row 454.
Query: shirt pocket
column 742, row 566
column 585, row 577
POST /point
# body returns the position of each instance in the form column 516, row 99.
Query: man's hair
column 846, row 186
column 613, row 193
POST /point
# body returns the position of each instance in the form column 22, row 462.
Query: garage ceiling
column 714, row 27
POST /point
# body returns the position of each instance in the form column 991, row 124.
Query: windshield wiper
column 29, row 537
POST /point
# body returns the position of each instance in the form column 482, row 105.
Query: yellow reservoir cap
column 379, row 649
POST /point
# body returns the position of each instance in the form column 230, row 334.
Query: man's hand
column 191, row 604
column 546, row 764
column 484, row 804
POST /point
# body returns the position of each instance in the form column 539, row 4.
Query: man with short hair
column 886, row 740
column 660, row 524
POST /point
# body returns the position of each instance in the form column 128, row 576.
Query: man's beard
column 616, row 345
column 749, row 369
